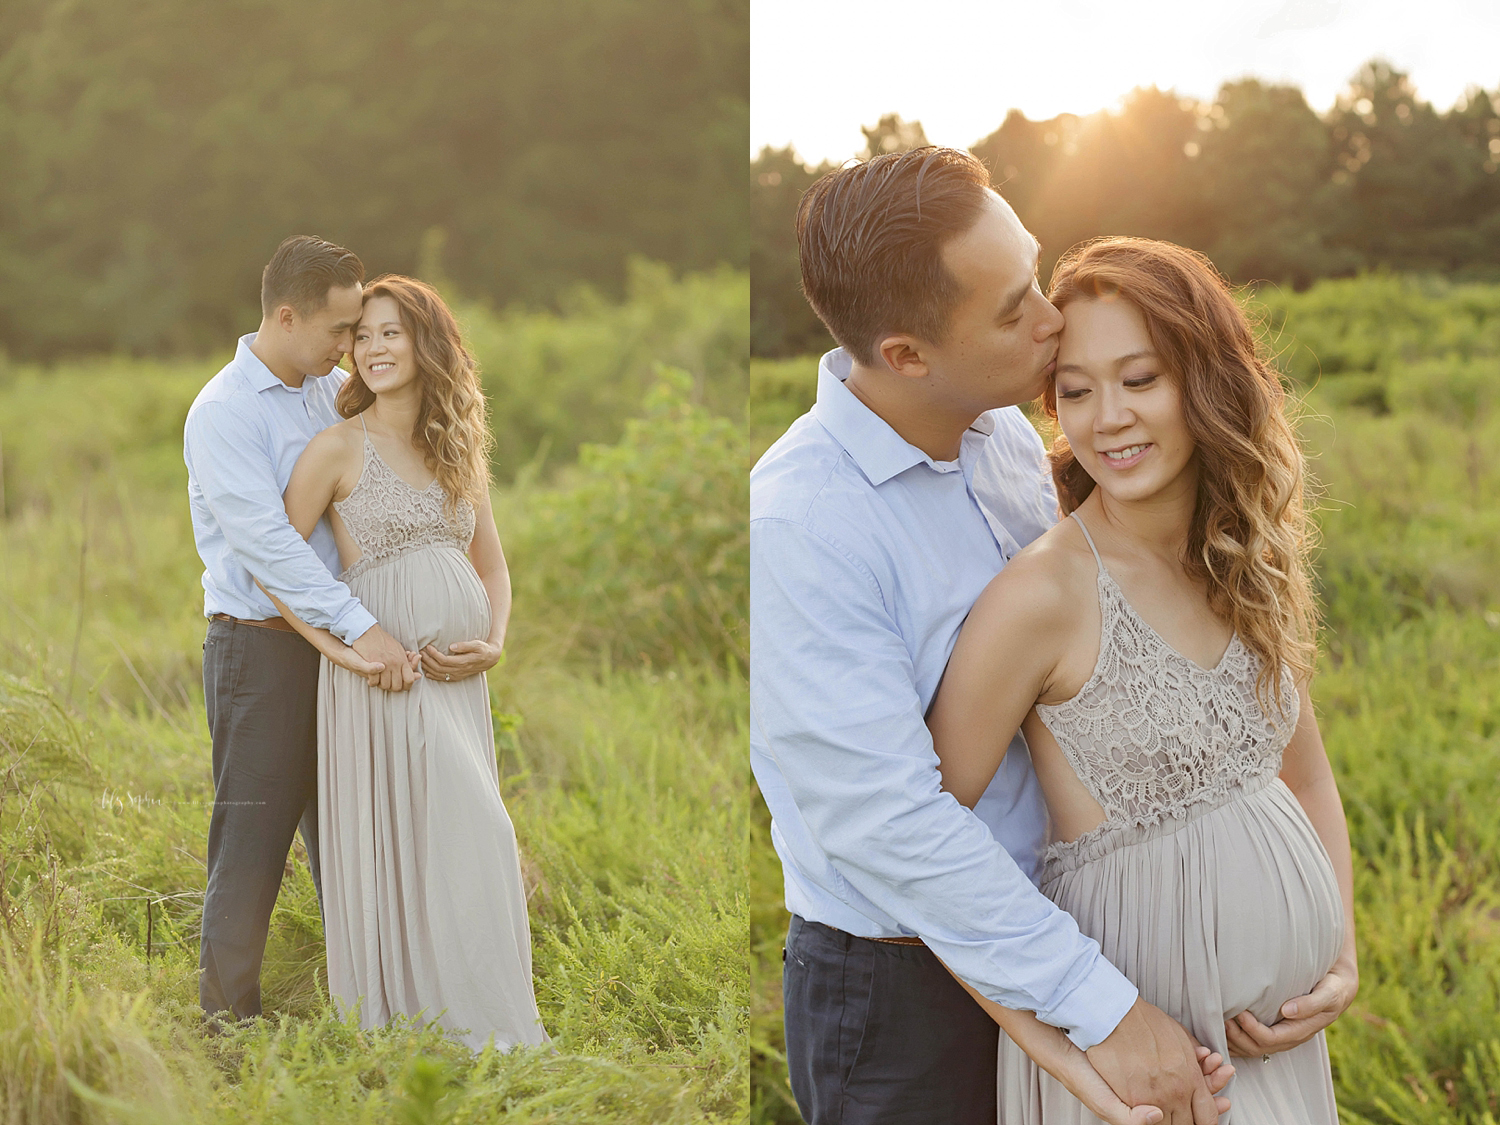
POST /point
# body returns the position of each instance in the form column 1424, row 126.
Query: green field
column 1399, row 382
column 619, row 714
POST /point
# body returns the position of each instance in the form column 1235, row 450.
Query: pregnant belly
column 1237, row 910
column 1280, row 922
column 428, row 596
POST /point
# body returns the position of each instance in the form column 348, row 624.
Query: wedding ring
column 450, row 680
column 1265, row 1058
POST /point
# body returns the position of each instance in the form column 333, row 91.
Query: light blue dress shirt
column 865, row 557
column 244, row 433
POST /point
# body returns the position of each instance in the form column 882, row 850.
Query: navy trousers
column 260, row 689
column 879, row 1033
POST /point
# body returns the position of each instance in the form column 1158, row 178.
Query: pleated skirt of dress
column 424, row 905
column 1235, row 909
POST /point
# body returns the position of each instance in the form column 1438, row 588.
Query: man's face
column 1001, row 343
column 316, row 341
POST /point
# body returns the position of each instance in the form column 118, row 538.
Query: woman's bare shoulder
column 334, row 459
column 1050, row 574
column 338, row 442
column 1029, row 616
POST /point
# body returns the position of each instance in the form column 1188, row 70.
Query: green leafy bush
column 557, row 381
column 642, row 549
column 781, row 391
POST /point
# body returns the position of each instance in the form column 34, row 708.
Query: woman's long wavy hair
column 452, row 430
column 1250, row 536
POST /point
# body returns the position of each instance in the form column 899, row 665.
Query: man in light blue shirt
column 244, row 432
column 869, row 544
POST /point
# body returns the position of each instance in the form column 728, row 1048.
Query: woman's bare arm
column 488, row 558
column 1007, row 650
column 1305, row 769
column 320, row 475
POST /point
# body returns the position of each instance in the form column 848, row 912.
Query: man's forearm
column 285, row 566
column 934, row 867
column 321, row 639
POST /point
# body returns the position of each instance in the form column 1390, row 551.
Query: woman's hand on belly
column 1302, row 1017
column 462, row 660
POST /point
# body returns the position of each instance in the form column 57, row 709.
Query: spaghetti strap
column 1081, row 527
column 367, row 431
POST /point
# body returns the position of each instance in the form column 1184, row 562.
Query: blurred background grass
column 1399, row 380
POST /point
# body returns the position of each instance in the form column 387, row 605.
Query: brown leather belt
column 280, row 623
column 901, row 940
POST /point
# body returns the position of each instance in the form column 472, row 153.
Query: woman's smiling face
column 383, row 348
column 1117, row 403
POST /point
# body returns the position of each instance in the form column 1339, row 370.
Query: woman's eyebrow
column 1118, row 363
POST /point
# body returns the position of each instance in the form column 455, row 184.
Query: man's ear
column 286, row 317
column 902, row 355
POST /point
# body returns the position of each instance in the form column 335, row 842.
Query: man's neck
column 905, row 407
column 261, row 347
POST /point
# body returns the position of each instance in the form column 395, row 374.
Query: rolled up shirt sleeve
column 834, row 703
column 239, row 487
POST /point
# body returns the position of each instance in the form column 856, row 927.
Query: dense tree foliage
column 155, row 152
column 1270, row 190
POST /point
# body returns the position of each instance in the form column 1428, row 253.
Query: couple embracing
column 1058, row 832
column 357, row 593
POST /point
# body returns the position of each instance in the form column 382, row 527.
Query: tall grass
column 1401, row 381
column 620, row 747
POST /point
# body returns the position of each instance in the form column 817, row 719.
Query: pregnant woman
column 1156, row 649
column 424, row 908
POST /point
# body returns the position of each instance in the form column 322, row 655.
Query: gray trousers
column 260, row 689
column 881, row 1034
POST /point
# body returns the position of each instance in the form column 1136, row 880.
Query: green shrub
column 642, row 549
column 1379, row 323
column 781, row 390
column 556, row 381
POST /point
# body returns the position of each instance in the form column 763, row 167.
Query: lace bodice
column 1153, row 735
column 387, row 517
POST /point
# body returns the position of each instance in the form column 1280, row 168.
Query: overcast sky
column 819, row 69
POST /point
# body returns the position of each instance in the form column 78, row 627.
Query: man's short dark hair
column 303, row 270
column 871, row 236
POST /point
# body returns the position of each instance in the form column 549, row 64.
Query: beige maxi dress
column 1206, row 885
column 424, row 908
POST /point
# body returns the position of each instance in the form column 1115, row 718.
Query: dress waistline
column 1064, row 856
column 366, row 563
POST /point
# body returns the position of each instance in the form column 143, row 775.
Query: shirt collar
column 257, row 374
column 879, row 451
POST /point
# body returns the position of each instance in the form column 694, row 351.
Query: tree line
column 1266, row 187
column 155, row 153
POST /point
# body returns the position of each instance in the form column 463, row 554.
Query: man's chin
column 1037, row 388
